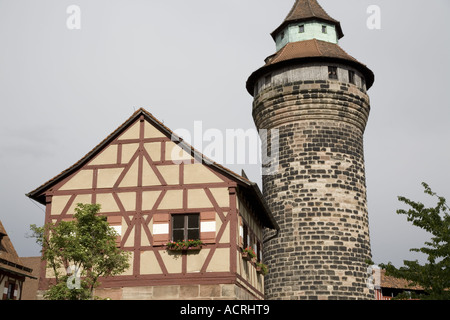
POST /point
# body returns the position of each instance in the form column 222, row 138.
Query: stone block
column 166, row 292
column 228, row 290
column 189, row 292
column 137, row 293
column 210, row 290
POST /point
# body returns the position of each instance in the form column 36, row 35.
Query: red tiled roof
column 308, row 49
column 396, row 283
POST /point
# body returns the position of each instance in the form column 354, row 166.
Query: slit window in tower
column 351, row 77
column 301, row 28
column 324, row 29
column 282, row 35
column 268, row 79
column 332, row 73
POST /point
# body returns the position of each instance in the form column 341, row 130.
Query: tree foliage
column 79, row 252
column 433, row 276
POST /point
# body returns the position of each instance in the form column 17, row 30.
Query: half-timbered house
column 13, row 271
column 154, row 188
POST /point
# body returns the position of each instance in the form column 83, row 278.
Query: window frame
column 186, row 227
column 333, row 72
column 301, row 28
column 351, row 77
column 10, row 291
column 245, row 235
column 324, row 29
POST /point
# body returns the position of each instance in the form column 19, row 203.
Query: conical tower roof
column 294, row 50
column 308, row 10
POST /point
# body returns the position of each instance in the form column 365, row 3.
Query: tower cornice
column 309, row 51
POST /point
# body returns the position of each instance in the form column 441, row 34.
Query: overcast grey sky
column 63, row 91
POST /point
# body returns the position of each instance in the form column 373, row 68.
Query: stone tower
column 314, row 94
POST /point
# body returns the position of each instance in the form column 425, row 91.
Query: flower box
column 185, row 248
column 185, row 245
column 261, row 268
column 248, row 254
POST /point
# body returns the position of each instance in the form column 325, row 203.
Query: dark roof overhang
column 308, row 51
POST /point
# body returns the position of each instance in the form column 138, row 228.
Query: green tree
column 433, row 276
column 79, row 252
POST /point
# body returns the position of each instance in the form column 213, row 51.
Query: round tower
column 314, row 94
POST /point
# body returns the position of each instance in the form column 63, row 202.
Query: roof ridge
column 311, row 9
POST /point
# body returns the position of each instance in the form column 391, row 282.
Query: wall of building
column 249, row 278
column 177, row 292
column 142, row 179
column 313, row 30
column 318, row 196
column 309, row 72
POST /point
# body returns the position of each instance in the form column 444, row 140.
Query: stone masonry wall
column 318, row 195
column 173, row 292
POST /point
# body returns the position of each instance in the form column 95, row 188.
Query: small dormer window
column 324, row 29
column 332, row 73
column 301, row 28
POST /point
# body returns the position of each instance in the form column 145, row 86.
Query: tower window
column 282, row 35
column 324, row 29
column 301, row 29
column 351, row 77
column 332, row 73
